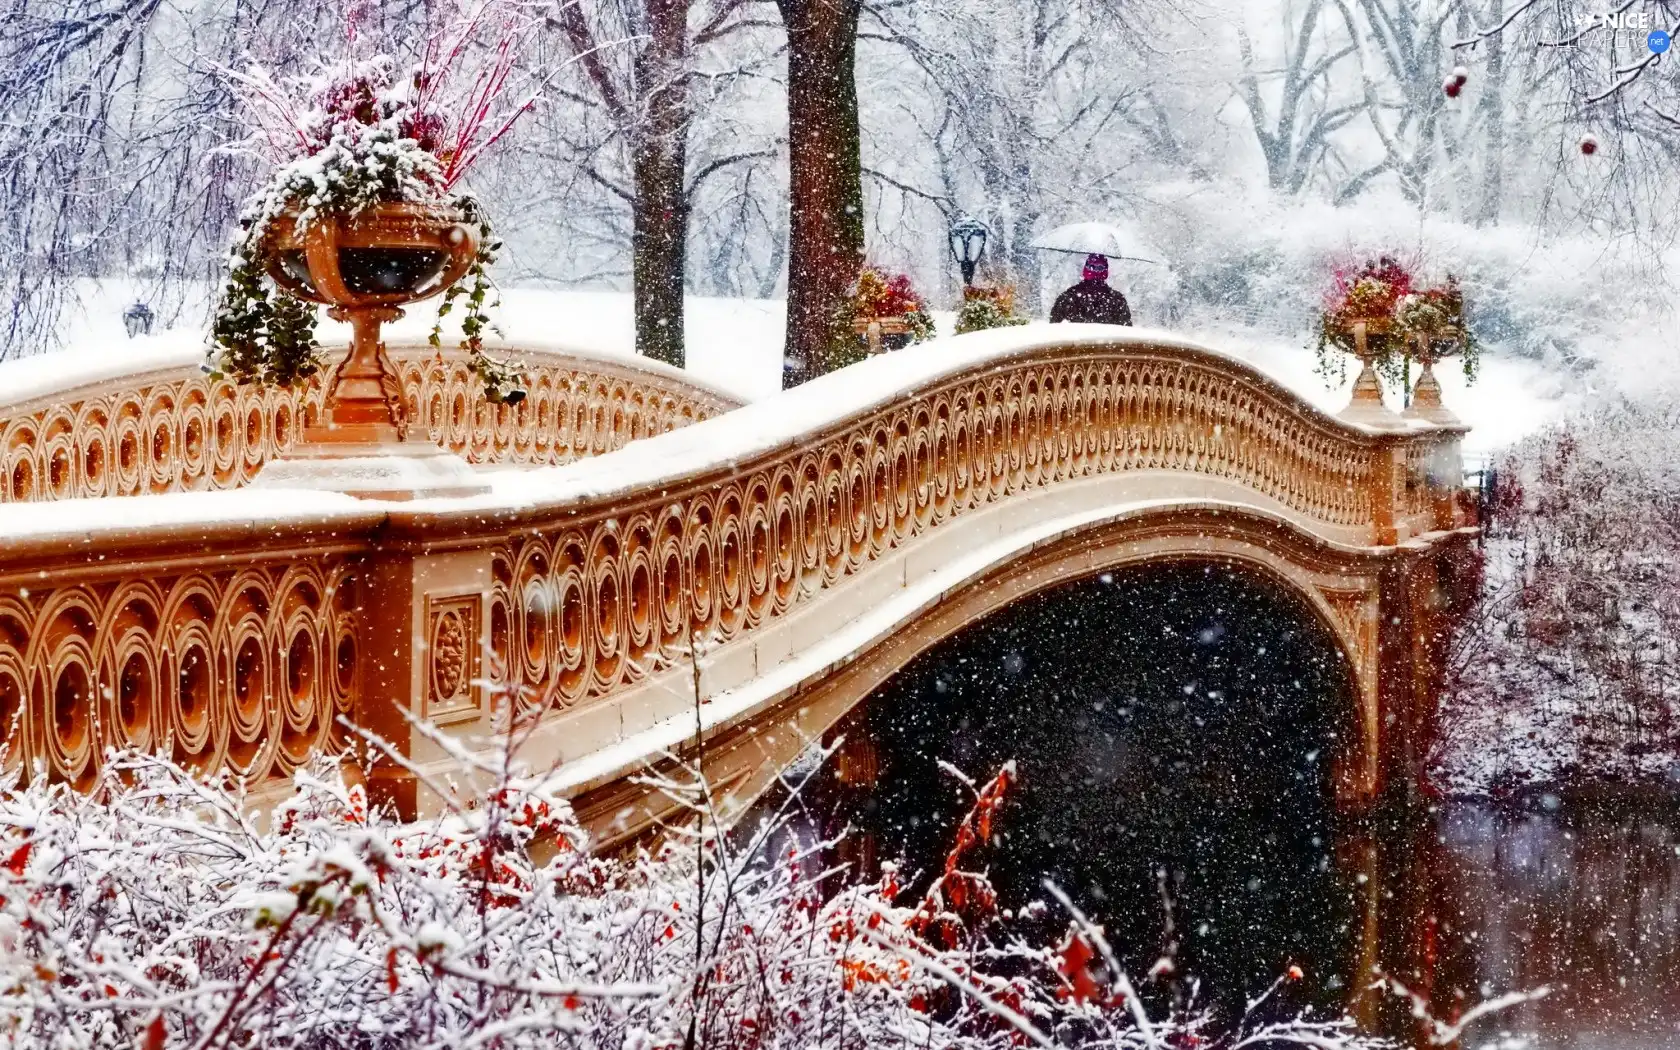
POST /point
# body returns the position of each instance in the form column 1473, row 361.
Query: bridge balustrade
column 232, row 628
column 175, row 429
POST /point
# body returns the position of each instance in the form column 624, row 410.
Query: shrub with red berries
column 159, row 912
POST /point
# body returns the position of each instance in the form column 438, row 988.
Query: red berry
column 1589, row 145
column 1452, row 87
column 1461, row 75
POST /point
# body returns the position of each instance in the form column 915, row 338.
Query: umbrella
column 1089, row 238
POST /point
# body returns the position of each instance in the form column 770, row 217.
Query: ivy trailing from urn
column 365, row 141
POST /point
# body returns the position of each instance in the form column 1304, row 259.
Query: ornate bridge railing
column 174, row 429
column 232, row 626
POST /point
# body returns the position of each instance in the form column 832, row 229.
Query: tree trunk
column 659, row 223
column 1025, row 265
column 1023, row 183
column 1493, row 121
column 659, row 253
column 825, row 178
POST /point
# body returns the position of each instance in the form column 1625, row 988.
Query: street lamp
column 968, row 244
column 137, row 319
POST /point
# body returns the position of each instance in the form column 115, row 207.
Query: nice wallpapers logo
column 1576, row 25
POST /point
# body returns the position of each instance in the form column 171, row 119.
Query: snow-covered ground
column 737, row 345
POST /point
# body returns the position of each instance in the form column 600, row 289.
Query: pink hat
column 1096, row 268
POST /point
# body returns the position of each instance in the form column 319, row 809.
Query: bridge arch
column 1165, row 706
column 1338, row 589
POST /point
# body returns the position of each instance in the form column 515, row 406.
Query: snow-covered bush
column 1569, row 667
column 157, row 912
column 987, row 307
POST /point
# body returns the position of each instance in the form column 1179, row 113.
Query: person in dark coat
column 1092, row 301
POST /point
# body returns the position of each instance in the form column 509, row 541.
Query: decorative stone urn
column 1367, row 405
column 1428, row 348
column 873, row 329
column 366, row 269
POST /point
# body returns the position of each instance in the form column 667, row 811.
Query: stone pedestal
column 1426, row 399
column 426, row 622
column 1367, row 406
column 398, row 470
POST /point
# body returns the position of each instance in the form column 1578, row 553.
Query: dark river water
column 1175, row 732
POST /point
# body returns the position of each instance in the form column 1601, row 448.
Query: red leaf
column 1074, row 964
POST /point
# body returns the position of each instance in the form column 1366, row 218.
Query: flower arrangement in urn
column 1358, row 316
column 1383, row 315
column 986, row 307
column 884, row 311
column 363, row 211
column 1432, row 326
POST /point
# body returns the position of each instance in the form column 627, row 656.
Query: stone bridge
column 808, row 545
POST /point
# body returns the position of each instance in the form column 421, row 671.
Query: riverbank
column 1566, row 669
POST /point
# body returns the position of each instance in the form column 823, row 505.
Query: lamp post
column 968, row 244
column 137, row 320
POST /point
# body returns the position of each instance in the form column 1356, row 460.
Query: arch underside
column 1339, row 587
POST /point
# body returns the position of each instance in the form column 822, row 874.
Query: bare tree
column 64, row 76
column 639, row 71
column 1407, row 58
column 1291, row 104
column 114, row 118
column 1605, row 56
column 1043, row 109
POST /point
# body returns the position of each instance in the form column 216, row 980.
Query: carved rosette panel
column 453, row 657
column 598, row 602
column 243, row 671
column 185, row 431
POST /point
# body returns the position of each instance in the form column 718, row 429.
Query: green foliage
column 980, row 313
column 921, row 326
column 263, row 334
column 844, row 345
column 503, row 380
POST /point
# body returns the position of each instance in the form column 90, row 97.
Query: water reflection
column 1584, row 899
column 1174, row 731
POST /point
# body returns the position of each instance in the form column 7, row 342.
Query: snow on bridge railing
column 232, row 627
column 150, row 421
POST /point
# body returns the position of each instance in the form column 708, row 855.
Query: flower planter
column 1370, row 337
column 390, row 255
column 363, row 211
column 366, row 269
column 883, row 333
